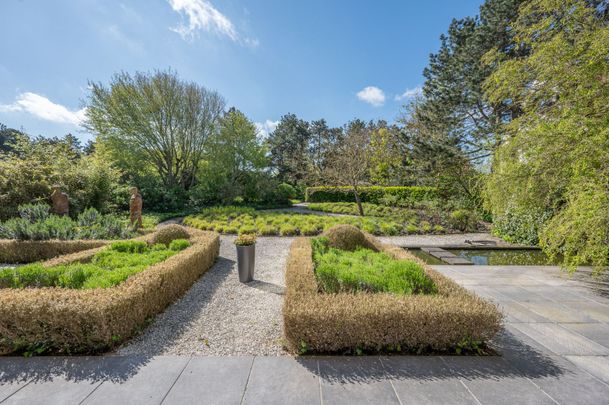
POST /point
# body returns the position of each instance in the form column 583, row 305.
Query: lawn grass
column 107, row 268
column 366, row 270
column 235, row 220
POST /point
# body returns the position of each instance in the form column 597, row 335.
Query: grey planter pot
column 246, row 256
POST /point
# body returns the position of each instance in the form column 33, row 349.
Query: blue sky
column 318, row 59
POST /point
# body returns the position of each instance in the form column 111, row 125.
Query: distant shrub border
column 371, row 194
column 453, row 319
column 61, row 320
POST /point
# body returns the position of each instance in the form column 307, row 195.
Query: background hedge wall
column 370, row 194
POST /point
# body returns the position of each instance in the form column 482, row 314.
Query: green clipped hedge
column 370, row 194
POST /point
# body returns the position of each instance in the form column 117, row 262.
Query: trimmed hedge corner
column 320, row 322
column 61, row 320
column 370, row 194
column 14, row 251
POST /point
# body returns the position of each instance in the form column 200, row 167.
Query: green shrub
column 168, row 233
column 520, row 226
column 371, row 194
column 309, row 230
column 268, row 230
column 410, row 228
column 245, row 229
column 463, row 220
column 365, row 270
column 132, row 246
column 288, row 230
column 346, row 237
column 179, row 244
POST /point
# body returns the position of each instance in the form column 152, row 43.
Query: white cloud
column 372, row 95
column 410, row 93
column 43, row 108
column 266, row 127
column 202, row 15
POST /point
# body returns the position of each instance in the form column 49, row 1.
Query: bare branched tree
column 349, row 161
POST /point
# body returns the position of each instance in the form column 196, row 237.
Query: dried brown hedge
column 79, row 321
column 13, row 251
column 321, row 322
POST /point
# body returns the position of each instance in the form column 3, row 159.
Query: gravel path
column 221, row 316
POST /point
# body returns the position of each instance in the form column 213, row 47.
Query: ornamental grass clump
column 106, row 268
column 366, row 270
column 245, row 239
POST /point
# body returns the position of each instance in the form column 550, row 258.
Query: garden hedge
column 62, row 320
column 322, row 322
column 371, row 194
column 13, row 251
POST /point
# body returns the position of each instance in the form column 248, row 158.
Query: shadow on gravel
column 518, row 360
column 267, row 287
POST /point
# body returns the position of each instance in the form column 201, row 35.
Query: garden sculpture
column 135, row 208
column 61, row 204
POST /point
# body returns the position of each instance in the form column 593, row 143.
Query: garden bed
column 450, row 320
column 233, row 220
column 68, row 320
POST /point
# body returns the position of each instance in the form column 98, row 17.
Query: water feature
column 492, row 256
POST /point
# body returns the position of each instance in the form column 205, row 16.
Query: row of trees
column 514, row 114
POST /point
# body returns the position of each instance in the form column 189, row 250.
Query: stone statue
column 61, row 204
column 135, row 208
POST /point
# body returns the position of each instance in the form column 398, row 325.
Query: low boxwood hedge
column 370, row 194
column 61, row 320
column 450, row 320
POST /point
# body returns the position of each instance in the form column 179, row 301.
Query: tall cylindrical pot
column 246, row 256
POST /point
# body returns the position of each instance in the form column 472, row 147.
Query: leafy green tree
column 233, row 154
column 555, row 155
column 322, row 140
column 155, row 119
column 288, row 148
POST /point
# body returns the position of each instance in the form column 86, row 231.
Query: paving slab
column 598, row 312
column 560, row 340
column 557, row 313
column 217, row 380
column 150, row 384
column 355, row 380
column 598, row 366
column 597, row 332
column 283, row 380
column 425, row 380
column 561, row 294
column 57, row 390
column 492, row 380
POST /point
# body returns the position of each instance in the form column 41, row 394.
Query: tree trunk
column 358, row 202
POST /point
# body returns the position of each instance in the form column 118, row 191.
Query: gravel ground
column 221, row 316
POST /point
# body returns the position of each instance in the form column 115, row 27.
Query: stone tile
column 51, row 379
column 355, row 380
column 218, row 380
column 283, row 380
column 57, row 390
column 560, row 340
column 598, row 366
column 594, row 310
column 148, row 384
column 597, row 332
column 556, row 312
column 519, row 294
column 519, row 313
column 424, row 380
column 561, row 294
column 493, row 381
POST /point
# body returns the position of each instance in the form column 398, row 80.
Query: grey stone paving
column 554, row 349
